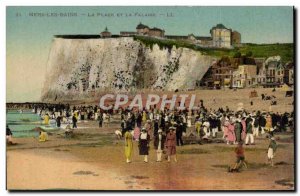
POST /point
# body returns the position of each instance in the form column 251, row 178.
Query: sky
column 28, row 37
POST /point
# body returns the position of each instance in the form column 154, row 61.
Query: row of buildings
column 141, row 29
column 247, row 72
column 221, row 36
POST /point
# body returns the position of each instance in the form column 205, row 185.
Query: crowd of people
column 206, row 122
column 167, row 128
column 64, row 113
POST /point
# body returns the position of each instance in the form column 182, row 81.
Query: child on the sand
column 271, row 150
column 43, row 136
column 239, row 150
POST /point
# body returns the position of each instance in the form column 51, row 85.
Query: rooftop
column 204, row 38
column 133, row 32
column 289, row 65
column 156, row 29
column 105, row 30
column 141, row 26
column 218, row 26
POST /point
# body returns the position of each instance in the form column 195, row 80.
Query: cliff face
column 77, row 68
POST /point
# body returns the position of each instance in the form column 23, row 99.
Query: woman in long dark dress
column 144, row 140
column 170, row 144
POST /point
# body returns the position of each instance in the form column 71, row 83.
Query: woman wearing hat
column 128, row 146
column 226, row 130
column 170, row 144
column 198, row 125
column 148, row 127
column 231, row 138
column 144, row 118
column 159, row 141
column 46, row 119
column 136, row 133
column 268, row 123
column 144, row 144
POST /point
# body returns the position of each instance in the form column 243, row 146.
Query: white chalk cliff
column 77, row 67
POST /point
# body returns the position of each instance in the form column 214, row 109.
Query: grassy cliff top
column 286, row 50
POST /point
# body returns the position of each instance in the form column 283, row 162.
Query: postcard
column 150, row 98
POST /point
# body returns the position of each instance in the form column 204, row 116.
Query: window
column 278, row 72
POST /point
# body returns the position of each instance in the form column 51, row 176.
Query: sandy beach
column 86, row 164
column 94, row 159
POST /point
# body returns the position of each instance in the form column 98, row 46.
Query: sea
column 22, row 124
